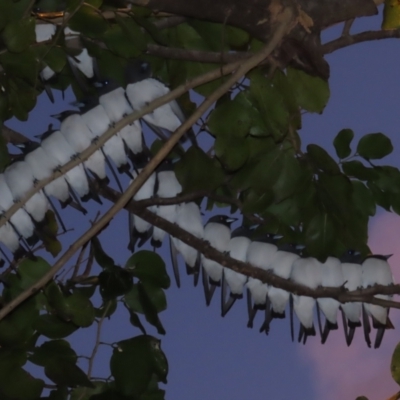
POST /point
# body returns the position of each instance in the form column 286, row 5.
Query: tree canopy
column 244, row 74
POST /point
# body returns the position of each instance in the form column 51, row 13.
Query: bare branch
column 12, row 136
column 345, row 41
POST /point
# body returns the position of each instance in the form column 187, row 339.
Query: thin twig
column 97, row 343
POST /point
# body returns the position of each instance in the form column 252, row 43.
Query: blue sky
column 220, row 358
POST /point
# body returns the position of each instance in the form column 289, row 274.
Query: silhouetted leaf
column 53, row 327
column 149, row 267
column 374, row 146
column 311, row 92
column 322, row 160
column 104, row 260
column 64, row 372
column 342, row 142
column 59, row 349
column 114, row 282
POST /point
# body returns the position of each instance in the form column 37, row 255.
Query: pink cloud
column 345, row 373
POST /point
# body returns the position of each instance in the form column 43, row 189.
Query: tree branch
column 285, row 20
column 12, row 136
column 340, row 294
column 345, row 41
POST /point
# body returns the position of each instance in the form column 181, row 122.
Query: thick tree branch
column 285, row 20
column 340, row 294
column 345, row 41
column 12, row 136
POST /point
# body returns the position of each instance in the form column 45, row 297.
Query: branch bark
column 345, row 41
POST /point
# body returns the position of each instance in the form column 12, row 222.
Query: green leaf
column 17, row 327
column 381, row 198
column 16, row 383
column 395, row 364
column 231, row 119
column 342, row 143
column 270, row 104
column 133, row 363
column 118, row 42
column 85, row 393
column 231, row 151
column 146, row 293
column 195, row 171
column 374, row 146
column 363, row 199
column 149, row 267
column 391, row 15
column 53, row 327
column 154, row 294
column 312, row 93
column 80, row 309
column 89, row 22
column 30, row 271
column 322, row 160
column 358, row 170
column 104, row 260
column 132, row 31
column 50, row 350
column 106, row 309
column 114, row 282
column 320, row 235
column 66, row 373
column 19, row 34
column 236, row 38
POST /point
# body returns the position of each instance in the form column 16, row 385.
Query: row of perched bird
column 79, row 129
column 284, row 260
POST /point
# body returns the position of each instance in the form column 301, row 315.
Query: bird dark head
column 27, row 147
column 137, row 70
column 64, row 114
column 86, row 103
column 223, row 219
column 166, row 165
column 290, row 248
column 352, row 257
column 46, row 134
column 243, row 231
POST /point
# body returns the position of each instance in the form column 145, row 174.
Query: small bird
column 305, row 271
column 18, row 177
column 281, row 265
column 113, row 98
column 352, row 276
column 139, row 229
column 20, row 220
column 237, row 249
column 42, row 166
column 142, row 90
column 79, row 136
column 188, row 217
column 260, row 254
column 331, row 276
column 376, row 271
column 56, row 146
column 167, row 185
column 217, row 232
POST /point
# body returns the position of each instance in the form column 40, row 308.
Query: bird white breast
column 97, row 164
column 84, row 62
column 352, row 276
column 307, row 272
column 258, row 290
column 303, row 307
column 147, row 189
column 132, row 136
column 44, row 32
column 97, row 120
column 114, row 148
column 261, row 254
column 56, row 146
column 78, row 180
column 76, row 132
column 279, row 299
column 376, row 271
column 8, row 237
column 282, row 263
column 115, row 104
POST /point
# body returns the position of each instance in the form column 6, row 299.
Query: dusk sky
column 220, row 358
